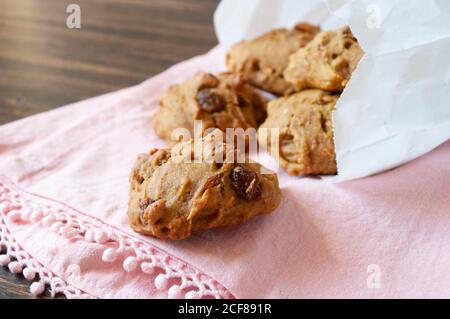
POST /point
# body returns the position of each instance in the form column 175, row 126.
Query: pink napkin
column 63, row 199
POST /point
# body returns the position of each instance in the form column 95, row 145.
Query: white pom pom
column 4, row 207
column 29, row 273
column 15, row 267
column 64, row 229
column 25, row 214
column 175, row 292
column 161, row 282
column 37, row 288
column 109, row 255
column 89, row 236
column 101, row 237
column 147, row 268
column 56, row 226
column 36, row 216
column 4, row 260
column 130, row 264
column 47, row 221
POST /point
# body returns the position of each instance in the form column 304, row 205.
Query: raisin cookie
column 223, row 101
column 173, row 194
column 263, row 60
column 305, row 140
column 325, row 63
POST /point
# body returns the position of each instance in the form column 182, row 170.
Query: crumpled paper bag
column 396, row 106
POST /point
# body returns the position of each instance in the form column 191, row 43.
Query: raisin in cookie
column 173, row 194
column 223, row 101
column 325, row 63
column 262, row 61
column 305, row 141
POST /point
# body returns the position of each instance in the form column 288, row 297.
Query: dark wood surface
column 44, row 65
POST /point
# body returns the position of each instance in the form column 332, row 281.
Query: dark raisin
column 210, row 101
column 245, row 183
column 348, row 44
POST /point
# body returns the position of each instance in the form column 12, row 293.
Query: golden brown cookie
column 305, row 141
column 263, row 60
column 176, row 192
column 223, row 101
column 325, row 63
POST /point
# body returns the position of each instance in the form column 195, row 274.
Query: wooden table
column 44, row 64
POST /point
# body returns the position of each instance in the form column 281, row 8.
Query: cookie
column 263, row 60
column 174, row 192
column 325, row 63
column 223, row 101
column 305, row 141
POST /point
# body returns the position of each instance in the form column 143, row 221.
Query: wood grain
column 44, row 64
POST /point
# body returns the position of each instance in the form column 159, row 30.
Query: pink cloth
column 382, row 236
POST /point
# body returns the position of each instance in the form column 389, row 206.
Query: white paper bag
column 396, row 107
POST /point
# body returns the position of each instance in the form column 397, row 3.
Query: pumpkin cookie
column 175, row 193
column 263, row 60
column 326, row 63
column 305, row 141
column 223, row 101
